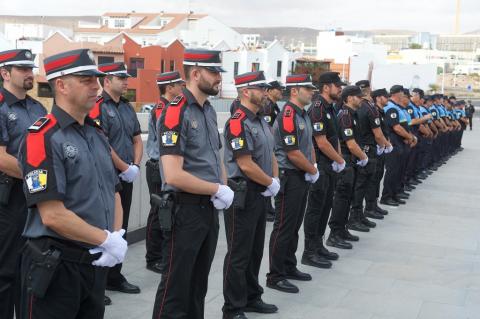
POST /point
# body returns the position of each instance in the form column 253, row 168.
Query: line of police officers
column 64, row 225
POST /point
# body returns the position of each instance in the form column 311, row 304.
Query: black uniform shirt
column 368, row 119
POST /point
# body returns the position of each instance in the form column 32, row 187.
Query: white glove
column 363, row 163
column 115, row 245
column 105, row 260
column 388, row 149
column 273, row 188
column 130, row 173
column 312, row 178
column 223, row 198
column 337, row 168
column 380, row 150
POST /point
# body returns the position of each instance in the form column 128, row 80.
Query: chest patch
column 111, row 113
column 301, row 126
column 194, row 124
column 70, row 150
column 12, row 117
column 393, row 115
column 267, row 118
column 329, row 116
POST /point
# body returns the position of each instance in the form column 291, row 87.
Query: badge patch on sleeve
column 169, row 138
column 348, row 132
column 410, row 111
column 36, row 181
column 237, row 143
column 268, row 119
column 377, row 121
column 393, row 115
column 318, row 126
column 289, row 140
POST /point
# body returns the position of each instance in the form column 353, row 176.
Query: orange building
column 144, row 63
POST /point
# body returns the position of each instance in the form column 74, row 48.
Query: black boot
column 324, row 252
column 373, row 214
column 335, row 240
column 346, row 235
column 365, row 221
column 310, row 257
column 355, row 222
column 380, row 210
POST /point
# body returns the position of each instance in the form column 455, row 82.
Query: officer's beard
column 208, row 88
column 28, row 84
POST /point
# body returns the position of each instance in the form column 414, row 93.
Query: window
column 105, row 59
column 255, row 67
column 235, row 68
column 131, row 95
column 119, row 23
column 172, row 65
column 135, row 64
column 279, row 68
column 44, row 90
column 292, row 67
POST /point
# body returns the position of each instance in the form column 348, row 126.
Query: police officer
column 253, row 174
column 269, row 112
column 192, row 170
column 371, row 140
column 73, row 234
column 170, row 85
column 470, row 110
column 120, row 124
column 17, row 112
column 295, row 155
column 329, row 163
column 380, row 100
column 353, row 155
column 400, row 137
column 274, row 94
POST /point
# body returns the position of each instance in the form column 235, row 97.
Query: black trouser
column 12, row 222
column 154, row 239
column 342, row 199
column 373, row 187
column 470, row 122
column 407, row 150
column 412, row 160
column 245, row 232
column 115, row 277
column 290, row 205
column 75, row 292
column 393, row 171
column 364, row 176
column 319, row 204
column 191, row 248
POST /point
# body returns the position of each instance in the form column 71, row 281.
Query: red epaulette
column 288, row 119
column 236, row 122
column 172, row 115
column 1, row 98
column 95, row 112
column 36, row 152
column 158, row 109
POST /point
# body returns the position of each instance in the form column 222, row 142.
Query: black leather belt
column 292, row 172
column 69, row 251
column 191, row 199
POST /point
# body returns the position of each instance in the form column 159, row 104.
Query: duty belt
column 191, row 199
column 69, row 252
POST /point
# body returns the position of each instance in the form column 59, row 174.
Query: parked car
column 146, row 108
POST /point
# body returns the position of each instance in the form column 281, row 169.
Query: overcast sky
column 417, row 15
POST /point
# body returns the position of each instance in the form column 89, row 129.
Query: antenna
column 457, row 17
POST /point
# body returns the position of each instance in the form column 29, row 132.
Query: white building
column 410, row 76
column 274, row 60
column 194, row 30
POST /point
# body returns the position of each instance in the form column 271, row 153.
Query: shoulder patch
column 172, row 115
column 35, row 141
column 37, row 126
column 288, row 119
column 236, row 122
column 177, row 100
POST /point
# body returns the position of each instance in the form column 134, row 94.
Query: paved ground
column 421, row 262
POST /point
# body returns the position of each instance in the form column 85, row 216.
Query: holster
column 239, row 187
column 6, row 185
column 42, row 269
column 164, row 204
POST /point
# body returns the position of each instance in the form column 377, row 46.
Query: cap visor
column 217, row 69
column 25, row 65
column 90, row 73
column 341, row 83
column 122, row 75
